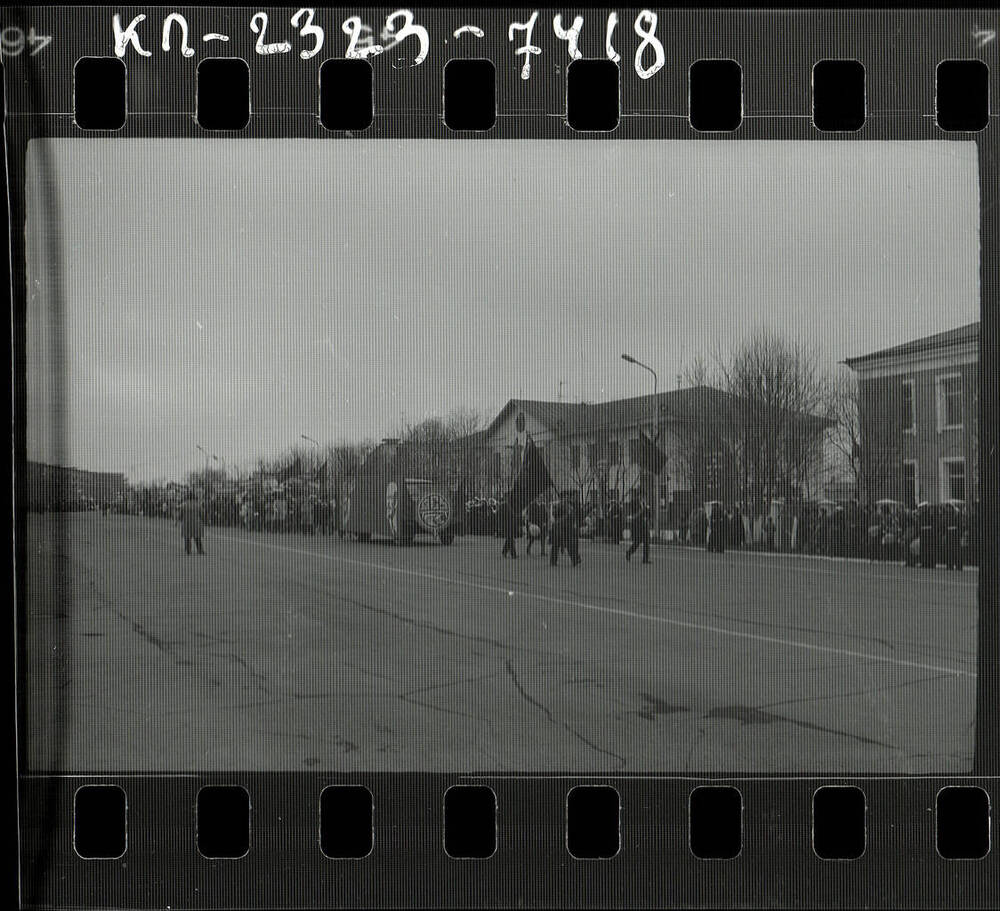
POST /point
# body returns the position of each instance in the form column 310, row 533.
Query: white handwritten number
column 182, row 22
column 527, row 49
column 570, row 35
column 352, row 27
column 645, row 28
column 984, row 36
column 11, row 41
column 127, row 36
column 408, row 29
column 42, row 41
column 258, row 25
column 608, row 47
column 309, row 29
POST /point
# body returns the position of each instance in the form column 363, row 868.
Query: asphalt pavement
column 281, row 652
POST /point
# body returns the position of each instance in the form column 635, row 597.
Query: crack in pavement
column 232, row 656
column 445, row 631
column 441, row 686
column 748, row 715
column 510, row 672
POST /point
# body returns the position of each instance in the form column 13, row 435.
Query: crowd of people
column 925, row 535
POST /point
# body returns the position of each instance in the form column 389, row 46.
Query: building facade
column 592, row 448
column 920, row 403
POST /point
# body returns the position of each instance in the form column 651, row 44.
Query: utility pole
column 561, row 384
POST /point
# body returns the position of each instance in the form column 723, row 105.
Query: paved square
column 285, row 652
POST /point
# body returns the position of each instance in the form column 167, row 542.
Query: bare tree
column 572, row 460
column 776, row 414
column 704, row 444
column 448, row 448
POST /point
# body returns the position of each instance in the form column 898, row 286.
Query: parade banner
column 389, row 266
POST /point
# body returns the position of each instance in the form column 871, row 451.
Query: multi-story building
column 920, row 407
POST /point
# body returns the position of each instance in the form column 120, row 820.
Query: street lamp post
column 315, row 443
column 205, row 453
column 656, row 429
column 309, row 439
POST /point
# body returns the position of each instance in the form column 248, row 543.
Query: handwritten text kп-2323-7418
column 304, row 33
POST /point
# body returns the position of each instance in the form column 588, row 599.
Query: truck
column 388, row 499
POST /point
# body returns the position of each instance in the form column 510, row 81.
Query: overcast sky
column 237, row 294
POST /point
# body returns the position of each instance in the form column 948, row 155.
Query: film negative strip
column 494, row 458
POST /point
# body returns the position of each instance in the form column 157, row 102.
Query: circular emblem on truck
column 433, row 511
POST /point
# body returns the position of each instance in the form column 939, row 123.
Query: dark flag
column 533, row 479
column 292, row 471
column 321, row 473
column 649, row 456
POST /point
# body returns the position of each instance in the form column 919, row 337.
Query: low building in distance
column 50, row 487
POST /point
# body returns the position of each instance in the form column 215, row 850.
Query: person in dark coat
column 718, row 530
column 307, row 516
column 614, row 521
column 538, row 516
column 507, row 525
column 565, row 534
column 910, row 539
column 929, row 525
column 638, row 529
column 735, row 529
column 191, row 519
column 952, row 544
column 573, row 532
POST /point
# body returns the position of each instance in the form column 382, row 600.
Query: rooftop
column 953, row 337
column 574, row 417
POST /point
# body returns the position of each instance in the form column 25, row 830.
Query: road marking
column 722, row 631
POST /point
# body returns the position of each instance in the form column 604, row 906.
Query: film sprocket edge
column 391, row 423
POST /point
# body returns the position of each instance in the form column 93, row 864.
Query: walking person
column 571, row 532
column 538, row 517
column 508, row 525
column 639, row 528
column 559, row 532
column 191, row 519
column 307, row 516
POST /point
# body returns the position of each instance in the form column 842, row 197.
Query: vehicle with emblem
column 389, row 500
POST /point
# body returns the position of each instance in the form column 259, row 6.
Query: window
column 911, row 482
column 909, row 414
column 953, row 479
column 949, row 402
